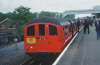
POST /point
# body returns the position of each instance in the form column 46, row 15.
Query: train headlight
column 31, row 47
column 31, row 40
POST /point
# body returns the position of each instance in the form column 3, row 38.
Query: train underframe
column 45, row 58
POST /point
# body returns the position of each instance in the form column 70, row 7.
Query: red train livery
column 47, row 36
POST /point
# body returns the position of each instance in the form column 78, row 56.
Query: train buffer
column 83, row 51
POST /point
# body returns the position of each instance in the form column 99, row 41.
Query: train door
column 53, row 36
column 41, row 37
column 29, row 35
column 68, row 33
column 74, row 28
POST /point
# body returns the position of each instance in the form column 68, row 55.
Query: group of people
column 88, row 22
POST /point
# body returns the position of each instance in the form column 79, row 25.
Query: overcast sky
column 48, row 5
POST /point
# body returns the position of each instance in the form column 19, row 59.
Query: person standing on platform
column 97, row 26
column 86, row 26
column 78, row 24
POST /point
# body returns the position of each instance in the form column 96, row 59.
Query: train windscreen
column 41, row 29
column 30, row 31
column 52, row 30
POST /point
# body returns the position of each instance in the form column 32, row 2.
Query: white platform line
column 59, row 57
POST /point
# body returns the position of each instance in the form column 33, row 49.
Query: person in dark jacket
column 86, row 26
column 97, row 25
column 78, row 24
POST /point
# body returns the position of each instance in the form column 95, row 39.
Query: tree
column 35, row 15
column 47, row 14
column 20, row 17
column 72, row 16
column 22, row 13
column 2, row 16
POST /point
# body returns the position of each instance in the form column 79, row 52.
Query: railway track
column 32, row 62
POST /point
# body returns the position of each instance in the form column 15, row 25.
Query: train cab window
column 41, row 29
column 52, row 30
column 30, row 31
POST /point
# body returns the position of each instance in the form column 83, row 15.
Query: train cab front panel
column 43, row 37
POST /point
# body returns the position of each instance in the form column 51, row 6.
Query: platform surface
column 84, row 51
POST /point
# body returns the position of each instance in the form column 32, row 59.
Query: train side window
column 70, row 28
column 52, row 30
column 66, row 29
column 30, row 31
column 41, row 29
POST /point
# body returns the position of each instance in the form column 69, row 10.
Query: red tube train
column 47, row 36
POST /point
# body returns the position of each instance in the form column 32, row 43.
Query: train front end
column 43, row 38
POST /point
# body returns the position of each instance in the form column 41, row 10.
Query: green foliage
column 22, row 15
column 47, row 14
column 70, row 16
column 35, row 15
column 2, row 16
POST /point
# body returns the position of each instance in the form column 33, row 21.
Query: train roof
column 50, row 20
column 46, row 20
column 65, row 23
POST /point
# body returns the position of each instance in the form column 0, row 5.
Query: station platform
column 85, row 50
